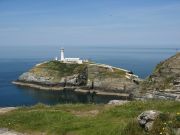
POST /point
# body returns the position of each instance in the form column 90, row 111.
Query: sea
column 16, row 60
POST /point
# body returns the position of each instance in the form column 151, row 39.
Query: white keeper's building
column 69, row 60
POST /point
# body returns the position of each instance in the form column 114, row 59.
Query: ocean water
column 139, row 60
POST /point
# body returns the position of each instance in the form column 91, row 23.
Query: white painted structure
column 62, row 54
column 69, row 60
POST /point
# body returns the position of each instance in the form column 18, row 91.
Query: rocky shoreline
column 75, row 89
column 36, row 86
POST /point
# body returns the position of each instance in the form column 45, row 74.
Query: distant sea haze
column 141, row 61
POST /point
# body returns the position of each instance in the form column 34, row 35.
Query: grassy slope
column 82, row 118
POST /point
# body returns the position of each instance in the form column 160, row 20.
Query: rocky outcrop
column 147, row 118
column 165, row 95
column 166, row 75
column 164, row 82
column 108, row 78
column 85, row 76
column 32, row 77
column 55, row 73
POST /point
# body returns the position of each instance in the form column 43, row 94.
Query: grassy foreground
column 83, row 119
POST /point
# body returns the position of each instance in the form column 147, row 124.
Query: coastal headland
column 86, row 77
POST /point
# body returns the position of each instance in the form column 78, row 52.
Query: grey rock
column 30, row 77
column 117, row 102
column 142, row 122
column 149, row 125
column 146, row 119
column 164, row 94
column 75, row 80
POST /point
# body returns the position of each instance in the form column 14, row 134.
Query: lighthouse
column 62, row 54
column 69, row 60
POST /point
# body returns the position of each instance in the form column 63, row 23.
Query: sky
column 130, row 23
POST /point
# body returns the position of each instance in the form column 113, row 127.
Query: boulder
column 147, row 118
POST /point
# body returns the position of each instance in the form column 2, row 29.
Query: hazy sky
column 147, row 23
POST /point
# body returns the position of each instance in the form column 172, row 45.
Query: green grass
column 115, row 74
column 62, row 69
column 80, row 119
column 95, row 71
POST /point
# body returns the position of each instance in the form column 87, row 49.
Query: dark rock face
column 147, row 118
column 77, row 79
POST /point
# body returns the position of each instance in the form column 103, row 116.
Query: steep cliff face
column 166, row 75
column 56, row 73
column 109, row 78
column 85, row 76
column 164, row 82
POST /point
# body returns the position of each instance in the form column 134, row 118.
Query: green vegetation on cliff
column 62, row 69
column 95, row 71
column 68, row 69
column 90, row 119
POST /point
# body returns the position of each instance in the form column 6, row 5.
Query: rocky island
column 88, row 76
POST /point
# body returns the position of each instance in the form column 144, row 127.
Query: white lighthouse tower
column 62, row 54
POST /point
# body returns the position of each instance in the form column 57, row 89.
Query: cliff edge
column 164, row 82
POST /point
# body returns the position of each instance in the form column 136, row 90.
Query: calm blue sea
column 15, row 61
